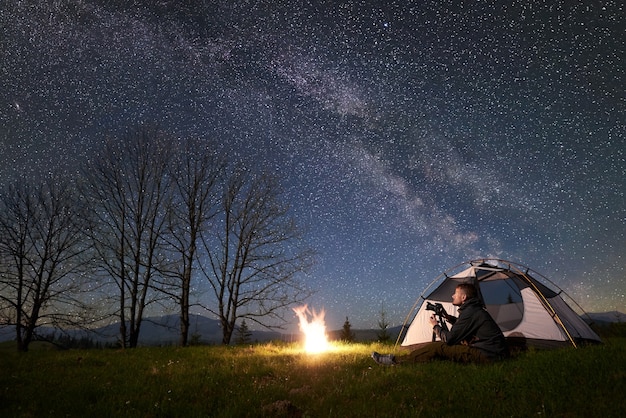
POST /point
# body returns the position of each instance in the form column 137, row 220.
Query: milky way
column 411, row 136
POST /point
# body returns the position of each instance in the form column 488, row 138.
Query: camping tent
column 527, row 311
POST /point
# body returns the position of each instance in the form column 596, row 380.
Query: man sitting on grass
column 474, row 336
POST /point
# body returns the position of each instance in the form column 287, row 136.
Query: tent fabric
column 537, row 323
column 526, row 309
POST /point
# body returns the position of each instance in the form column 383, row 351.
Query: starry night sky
column 411, row 135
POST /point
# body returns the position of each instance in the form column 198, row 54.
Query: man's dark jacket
column 475, row 327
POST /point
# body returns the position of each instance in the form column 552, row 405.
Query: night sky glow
column 411, row 135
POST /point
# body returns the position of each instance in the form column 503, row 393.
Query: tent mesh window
column 503, row 301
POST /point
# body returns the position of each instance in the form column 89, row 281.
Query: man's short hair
column 469, row 290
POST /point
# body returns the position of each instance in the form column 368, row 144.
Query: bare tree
column 41, row 248
column 129, row 188
column 254, row 253
column 196, row 170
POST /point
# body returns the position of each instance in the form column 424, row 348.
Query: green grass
column 280, row 380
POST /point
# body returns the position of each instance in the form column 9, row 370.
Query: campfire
column 314, row 329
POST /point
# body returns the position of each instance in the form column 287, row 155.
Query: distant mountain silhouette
column 607, row 317
column 162, row 330
column 165, row 330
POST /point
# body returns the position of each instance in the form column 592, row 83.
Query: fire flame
column 314, row 329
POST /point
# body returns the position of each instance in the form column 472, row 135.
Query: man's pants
column 441, row 351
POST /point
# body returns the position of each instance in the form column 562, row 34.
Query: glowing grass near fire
column 314, row 329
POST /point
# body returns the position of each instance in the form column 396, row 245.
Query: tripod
column 441, row 322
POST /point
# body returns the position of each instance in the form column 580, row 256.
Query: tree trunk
column 184, row 315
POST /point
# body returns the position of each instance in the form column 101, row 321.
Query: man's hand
column 433, row 320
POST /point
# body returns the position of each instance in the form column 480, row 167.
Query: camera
column 436, row 307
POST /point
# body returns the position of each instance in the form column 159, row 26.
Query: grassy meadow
column 280, row 380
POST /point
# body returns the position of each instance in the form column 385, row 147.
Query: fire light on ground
column 314, row 329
